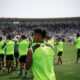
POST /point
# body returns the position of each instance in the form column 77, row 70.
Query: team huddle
column 37, row 53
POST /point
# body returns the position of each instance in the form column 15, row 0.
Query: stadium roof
column 40, row 19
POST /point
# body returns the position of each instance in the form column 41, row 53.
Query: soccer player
column 23, row 47
column 10, row 53
column 77, row 43
column 59, row 50
column 40, row 57
column 49, row 40
column 52, row 40
column 1, row 53
column 16, row 53
column 31, row 41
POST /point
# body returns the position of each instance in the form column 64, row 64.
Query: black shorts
column 22, row 59
column 60, row 53
column 78, row 53
column 16, row 55
column 10, row 57
column 1, row 55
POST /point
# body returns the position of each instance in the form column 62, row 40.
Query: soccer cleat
column 26, row 76
column 57, row 62
column 15, row 69
column 0, row 70
column 9, row 72
column 20, row 73
column 3, row 68
column 61, row 63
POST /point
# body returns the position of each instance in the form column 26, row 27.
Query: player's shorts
column 22, row 59
column 60, row 53
column 78, row 53
column 1, row 55
column 10, row 57
column 16, row 55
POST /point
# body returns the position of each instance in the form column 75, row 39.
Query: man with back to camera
column 1, row 54
column 77, row 43
column 16, row 53
column 59, row 50
column 40, row 57
column 10, row 53
column 23, row 48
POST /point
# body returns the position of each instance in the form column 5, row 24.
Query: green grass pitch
column 68, row 71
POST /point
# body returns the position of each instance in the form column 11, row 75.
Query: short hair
column 40, row 31
column 23, row 36
column 9, row 37
column 59, row 38
column 48, row 37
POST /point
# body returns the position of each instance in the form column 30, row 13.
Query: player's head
column 47, row 37
column 32, row 34
column 23, row 37
column 17, row 37
column 78, row 35
column 39, row 34
column 9, row 37
column 59, row 38
column 0, row 38
column 50, row 36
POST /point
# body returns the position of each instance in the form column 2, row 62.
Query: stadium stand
column 64, row 27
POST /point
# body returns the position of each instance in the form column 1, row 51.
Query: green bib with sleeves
column 23, row 47
column 10, row 47
column 42, row 62
column 1, row 45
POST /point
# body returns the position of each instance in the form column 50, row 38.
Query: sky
column 39, row 8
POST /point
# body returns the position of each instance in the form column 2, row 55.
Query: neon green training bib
column 60, row 46
column 42, row 63
column 1, row 45
column 23, row 47
column 10, row 47
column 77, row 43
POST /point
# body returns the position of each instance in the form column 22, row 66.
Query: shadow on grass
column 20, row 78
column 4, row 74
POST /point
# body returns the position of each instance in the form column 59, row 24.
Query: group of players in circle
column 37, row 53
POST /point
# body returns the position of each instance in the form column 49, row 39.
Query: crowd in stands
column 68, row 30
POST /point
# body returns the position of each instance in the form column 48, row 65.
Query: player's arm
column 29, row 59
column 29, row 44
column 56, row 42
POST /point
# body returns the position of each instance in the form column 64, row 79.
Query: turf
column 68, row 71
